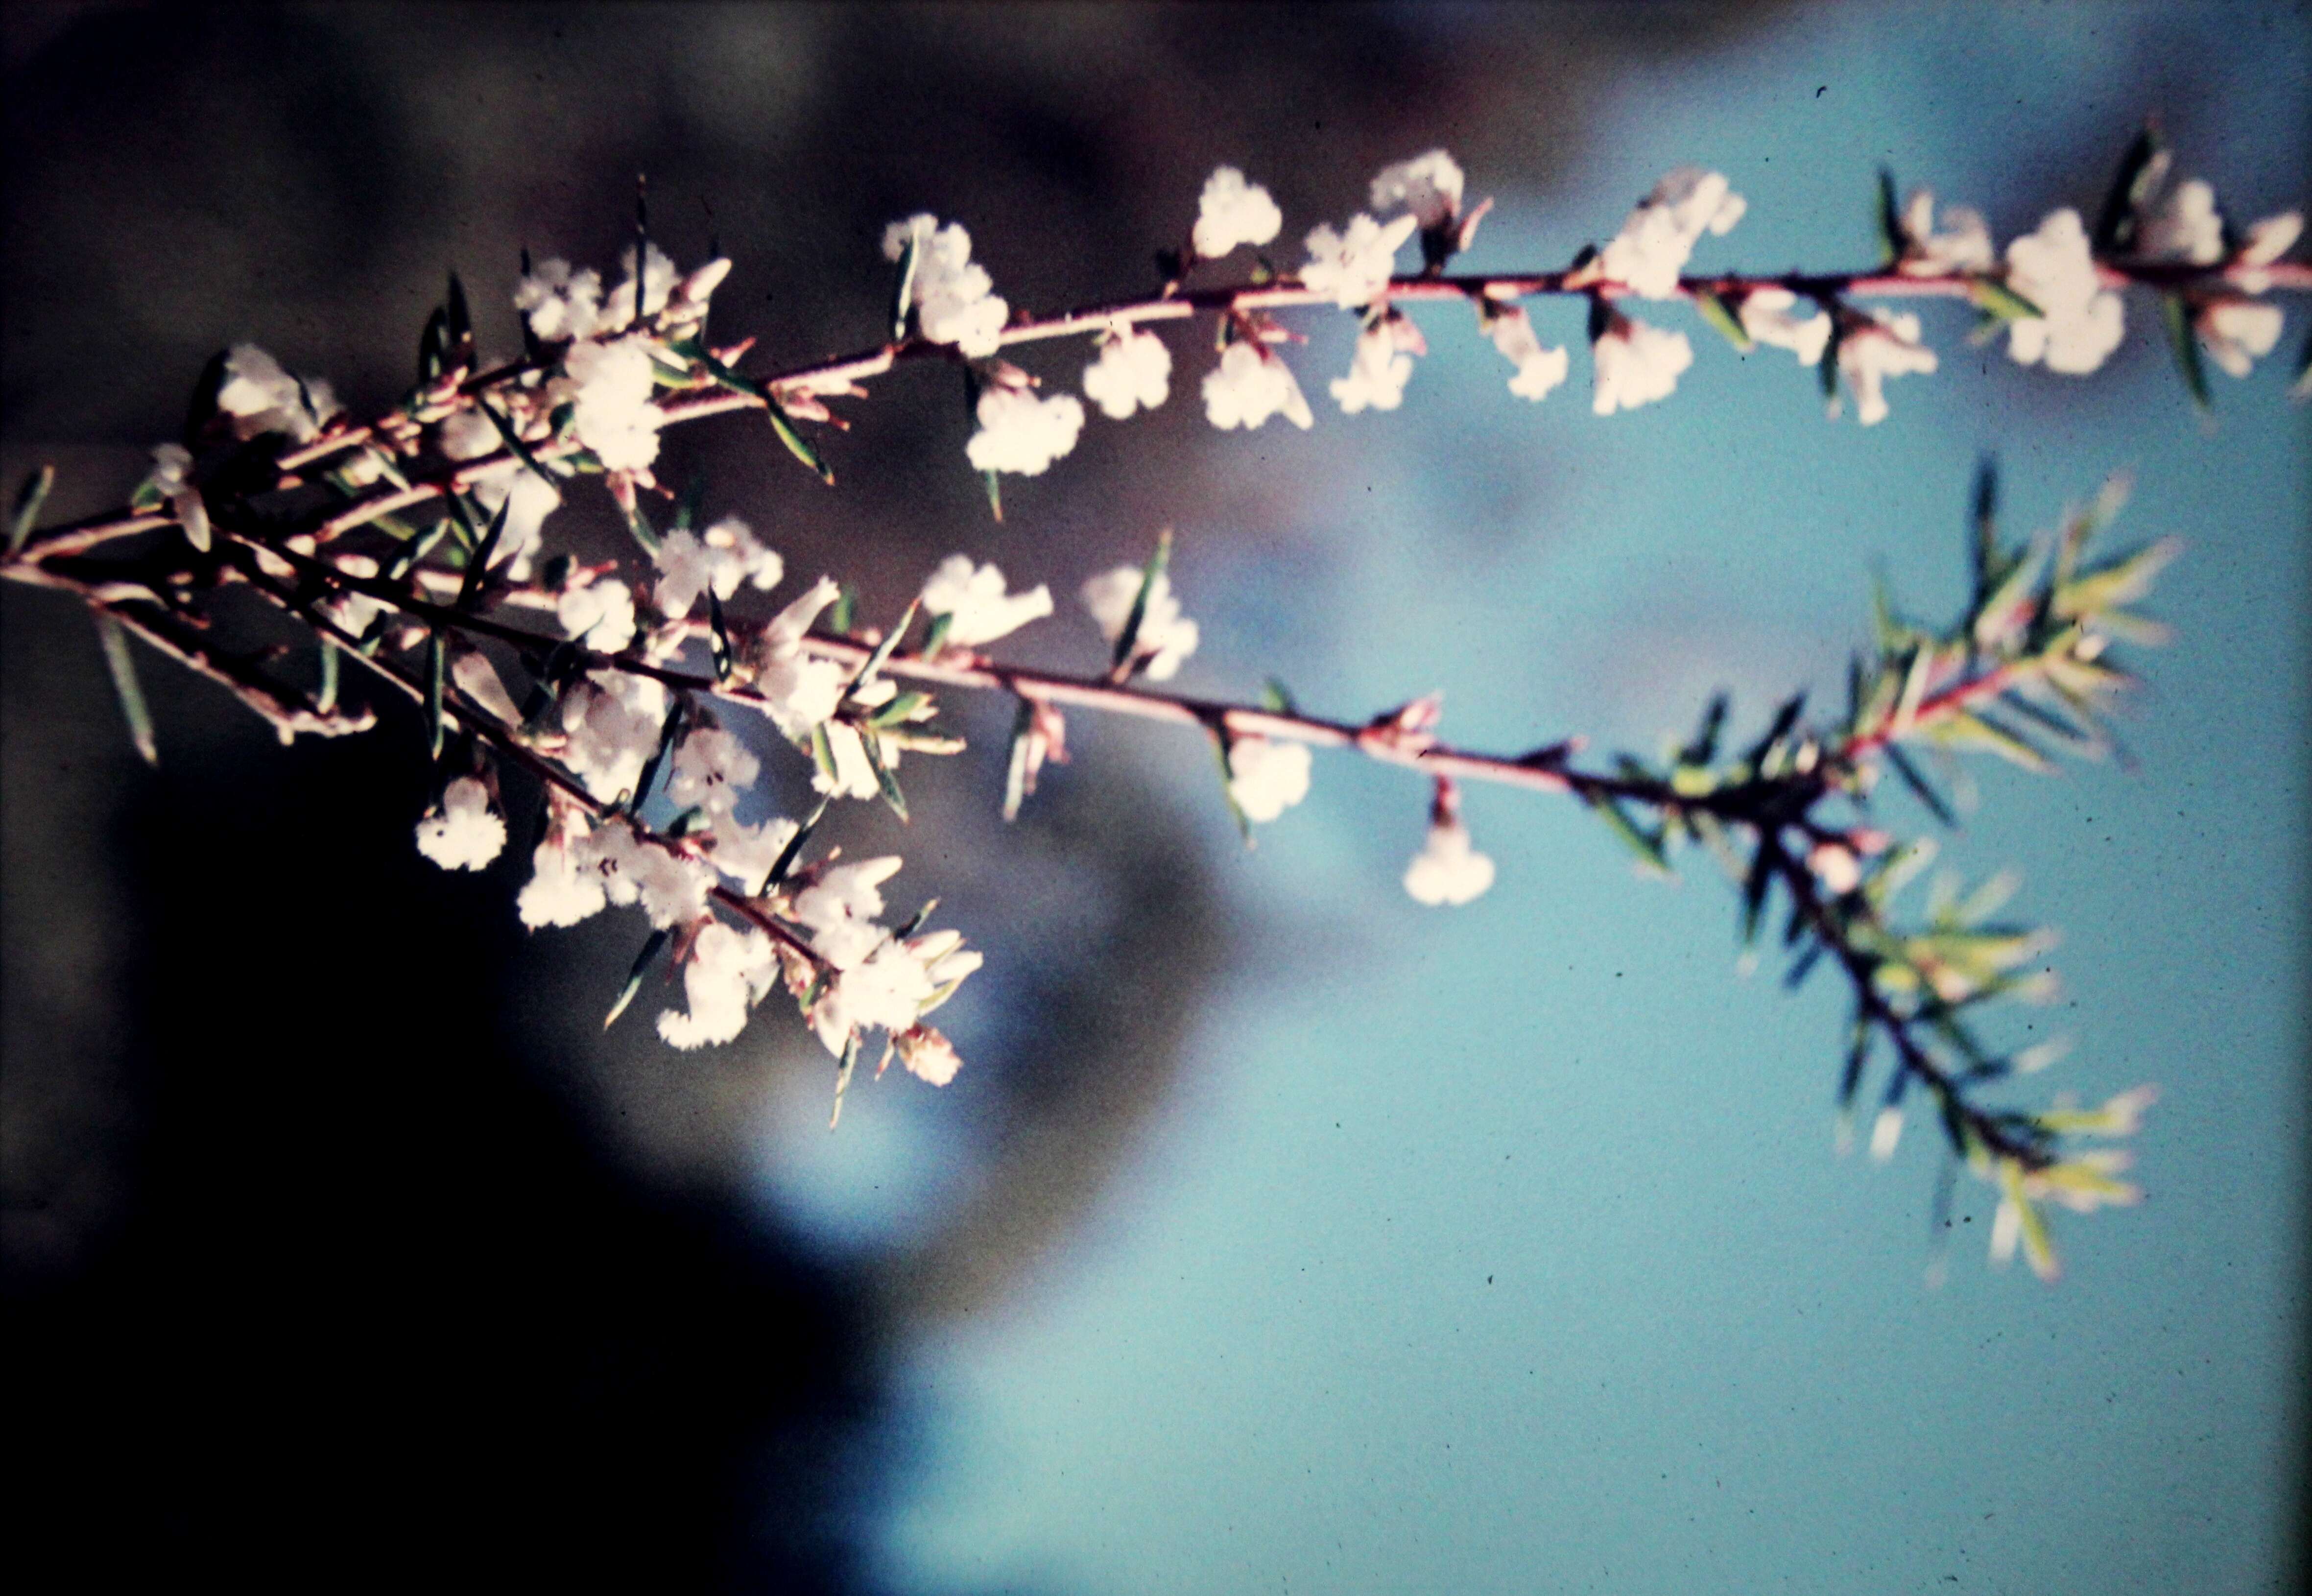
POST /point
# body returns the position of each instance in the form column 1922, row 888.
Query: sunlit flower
column 799, row 690
column 728, row 972
column 928, row 1055
column 719, row 558
column 954, row 301
column 1377, row 372
column 1657, row 239
column 2080, row 321
column 1428, row 186
column 712, row 767
column 611, row 722
column 259, row 396
column 1766, row 316
column 2237, row 332
column 561, row 304
column 978, row 608
column 1539, row 370
column 1964, row 244
column 172, row 479
column 1635, row 363
column 1251, row 384
column 2183, row 226
column 612, row 413
column 1267, row 778
column 1874, row 349
column 1232, row 212
column 671, row 887
column 1166, row 637
column 618, row 307
column 601, row 615
column 2267, row 240
column 1354, row 269
column 1886, row 1131
column 463, row 832
column 1022, row 434
column 1134, row 371
column 1448, row 870
column 561, row 890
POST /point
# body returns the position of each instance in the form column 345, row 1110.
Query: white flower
column 560, row 303
column 1834, row 866
column 1448, row 869
column 1134, row 371
column 1248, row 386
column 720, row 559
column 261, row 398
column 671, row 887
column 354, row 611
column 1874, row 350
column 1377, row 375
column 2238, row 332
column 1634, row 363
column 1020, row 432
column 1885, row 1132
column 612, row 413
column 711, row 768
column 1428, row 186
column 1539, row 370
column 799, row 690
column 1232, row 212
column 479, row 680
column 2267, row 242
column 978, row 608
column 928, row 1055
column 1963, row 246
column 1657, row 238
column 2183, row 226
column 854, row 774
column 1267, row 778
column 746, row 854
column 611, row 722
column 529, row 499
column 890, row 988
column 561, row 890
column 1766, row 317
column 461, row 834
column 601, row 615
column 618, row 308
column 2080, row 321
column 1166, row 636
column 844, row 895
column 1354, row 269
column 172, row 479
column 953, row 300
column 728, row 973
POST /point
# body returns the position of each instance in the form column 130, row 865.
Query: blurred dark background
column 338, row 1236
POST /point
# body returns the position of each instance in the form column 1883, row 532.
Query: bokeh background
column 1280, row 1234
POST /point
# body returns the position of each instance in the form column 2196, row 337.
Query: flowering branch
column 405, row 542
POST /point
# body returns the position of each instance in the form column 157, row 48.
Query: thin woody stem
column 77, row 537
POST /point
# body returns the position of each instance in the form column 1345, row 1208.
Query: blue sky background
column 1503, row 1250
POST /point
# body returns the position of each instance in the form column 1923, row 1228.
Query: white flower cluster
column 1539, row 370
column 1353, row 269
column 2080, row 321
column 563, row 305
column 1250, row 384
column 1134, row 371
column 1428, row 186
column 1635, row 363
column 1267, row 778
column 953, row 300
column 463, row 832
column 1448, row 869
column 1381, row 368
column 1231, row 212
column 717, row 560
column 1873, row 349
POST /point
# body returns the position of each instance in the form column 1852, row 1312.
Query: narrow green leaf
column 885, row 649
column 993, row 483
column 1015, row 775
column 1128, row 638
column 844, row 613
column 936, row 634
column 718, row 637
column 903, row 286
column 1645, row 845
column 459, row 325
column 1726, row 324
column 676, row 713
column 1703, row 747
column 1785, row 717
column 784, row 866
column 884, row 779
column 2300, row 389
column 822, row 752
column 26, row 513
column 519, row 450
column 324, row 698
column 639, row 527
column 1920, row 789
column 1803, row 967
column 797, row 445
column 476, row 568
column 2000, row 302
column 2176, row 315
column 118, row 661
column 1755, row 888
column 1224, row 750
column 843, row 1077
column 430, row 347
column 652, row 949
column 898, row 709
column 1892, row 236
column 437, row 671
column 2140, row 170
column 1858, row 1054
column 1278, row 698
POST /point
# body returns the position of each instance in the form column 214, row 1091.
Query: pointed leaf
column 26, row 513
column 652, row 949
column 2176, row 315
column 1723, row 321
column 114, row 638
